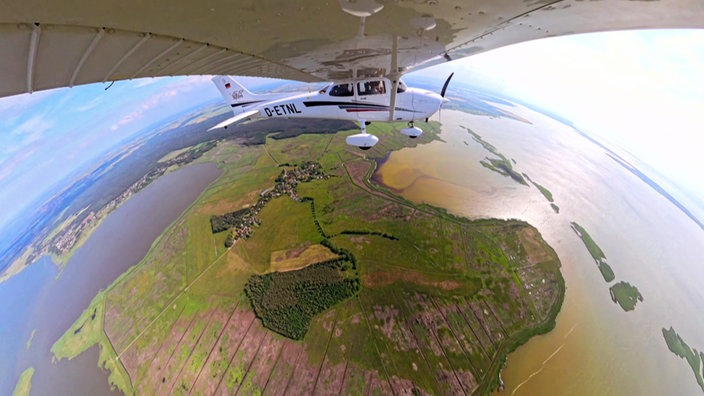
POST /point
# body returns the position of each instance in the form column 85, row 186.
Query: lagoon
column 43, row 298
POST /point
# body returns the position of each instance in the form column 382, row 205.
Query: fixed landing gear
column 362, row 140
column 412, row 131
column 365, row 141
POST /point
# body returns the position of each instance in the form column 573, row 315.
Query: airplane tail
column 234, row 93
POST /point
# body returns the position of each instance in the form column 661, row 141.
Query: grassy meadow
column 442, row 299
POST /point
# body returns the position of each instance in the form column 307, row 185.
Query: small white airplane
column 362, row 100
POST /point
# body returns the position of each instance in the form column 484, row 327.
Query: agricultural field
column 418, row 301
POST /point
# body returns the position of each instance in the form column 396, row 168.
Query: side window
column 371, row 88
column 401, row 87
column 342, row 90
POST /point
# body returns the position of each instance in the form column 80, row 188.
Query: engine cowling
column 412, row 132
column 364, row 141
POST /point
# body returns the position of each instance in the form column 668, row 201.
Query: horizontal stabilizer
column 239, row 117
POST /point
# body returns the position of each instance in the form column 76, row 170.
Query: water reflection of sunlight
column 632, row 223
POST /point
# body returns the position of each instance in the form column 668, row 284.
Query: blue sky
column 49, row 134
column 643, row 91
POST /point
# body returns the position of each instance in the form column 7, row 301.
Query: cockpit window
column 371, row 88
column 401, row 87
column 342, row 90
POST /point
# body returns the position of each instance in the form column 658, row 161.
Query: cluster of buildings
column 286, row 184
column 288, row 180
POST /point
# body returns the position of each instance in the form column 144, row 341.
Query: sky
column 47, row 135
column 640, row 90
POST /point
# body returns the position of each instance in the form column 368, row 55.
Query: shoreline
column 84, row 233
column 510, row 344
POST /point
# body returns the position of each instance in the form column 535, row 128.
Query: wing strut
column 394, row 77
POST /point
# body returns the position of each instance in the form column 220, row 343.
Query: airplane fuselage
column 362, row 101
column 411, row 105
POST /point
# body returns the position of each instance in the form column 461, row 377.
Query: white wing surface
column 49, row 44
column 238, row 117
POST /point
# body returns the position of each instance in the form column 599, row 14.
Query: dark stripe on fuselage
column 245, row 103
column 355, row 107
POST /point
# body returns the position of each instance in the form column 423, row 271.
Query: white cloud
column 20, row 104
column 9, row 166
column 90, row 105
column 144, row 82
column 142, row 108
column 37, row 124
column 19, row 137
column 176, row 90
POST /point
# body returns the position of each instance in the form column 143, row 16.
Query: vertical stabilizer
column 234, row 93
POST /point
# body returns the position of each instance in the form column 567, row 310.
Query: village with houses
column 241, row 223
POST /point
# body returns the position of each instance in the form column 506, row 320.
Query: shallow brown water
column 596, row 347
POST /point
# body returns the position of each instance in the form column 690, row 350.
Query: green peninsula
column 338, row 286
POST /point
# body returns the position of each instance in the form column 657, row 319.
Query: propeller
column 442, row 92
column 447, row 82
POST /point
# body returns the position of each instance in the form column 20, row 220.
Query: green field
column 439, row 303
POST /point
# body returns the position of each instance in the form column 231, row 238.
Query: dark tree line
column 377, row 233
column 315, row 217
column 220, row 223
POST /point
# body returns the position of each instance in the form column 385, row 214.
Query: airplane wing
column 49, row 44
column 238, row 117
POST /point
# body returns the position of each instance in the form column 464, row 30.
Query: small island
column 505, row 167
column 546, row 193
column 595, row 251
column 24, row 383
column 626, row 295
column 694, row 358
column 500, row 165
column 622, row 293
